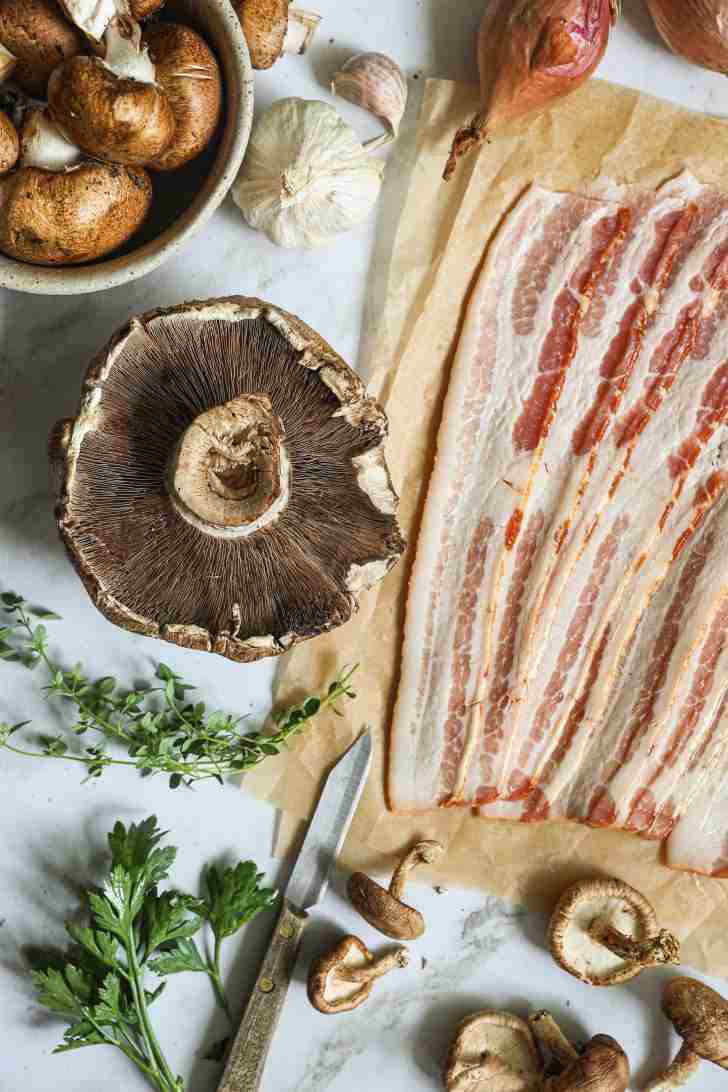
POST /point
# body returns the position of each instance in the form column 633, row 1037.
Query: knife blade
column 307, row 886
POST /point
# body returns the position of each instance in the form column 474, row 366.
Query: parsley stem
column 154, row 1050
column 215, row 972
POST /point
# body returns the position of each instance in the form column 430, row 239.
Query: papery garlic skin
column 306, row 176
column 377, row 84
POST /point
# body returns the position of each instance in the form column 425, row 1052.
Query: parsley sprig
column 135, row 929
column 161, row 730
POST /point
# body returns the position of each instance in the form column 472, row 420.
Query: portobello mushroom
column 224, row 485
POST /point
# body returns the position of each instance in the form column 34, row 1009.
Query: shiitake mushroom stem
column 663, row 948
column 380, row 967
column 422, row 853
column 550, row 1035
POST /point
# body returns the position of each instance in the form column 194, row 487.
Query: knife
column 307, row 886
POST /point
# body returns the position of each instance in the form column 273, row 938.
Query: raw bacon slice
column 566, row 641
column 516, row 343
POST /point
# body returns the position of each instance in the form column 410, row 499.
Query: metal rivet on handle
column 266, row 985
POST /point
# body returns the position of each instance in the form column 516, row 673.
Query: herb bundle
column 135, row 929
column 160, row 729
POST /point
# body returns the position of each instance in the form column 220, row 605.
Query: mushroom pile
column 224, row 485
column 106, row 101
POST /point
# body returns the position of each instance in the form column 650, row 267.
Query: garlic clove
column 306, row 177
column 376, row 83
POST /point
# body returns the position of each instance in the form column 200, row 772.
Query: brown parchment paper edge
column 600, row 131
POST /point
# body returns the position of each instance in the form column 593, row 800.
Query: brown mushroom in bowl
column 37, row 37
column 273, row 27
column 383, row 907
column 113, row 109
column 493, row 1052
column 699, row 1015
column 73, row 217
column 604, row 932
column 343, row 979
column 187, row 71
column 224, row 486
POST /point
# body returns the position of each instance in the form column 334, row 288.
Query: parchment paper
column 602, row 130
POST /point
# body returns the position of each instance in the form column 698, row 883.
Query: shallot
column 695, row 29
column 530, row 53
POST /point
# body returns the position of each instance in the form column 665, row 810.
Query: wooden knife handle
column 246, row 1062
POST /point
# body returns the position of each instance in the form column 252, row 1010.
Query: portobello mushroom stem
column 663, row 948
column 230, row 472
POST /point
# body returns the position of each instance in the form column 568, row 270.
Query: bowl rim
column 78, row 280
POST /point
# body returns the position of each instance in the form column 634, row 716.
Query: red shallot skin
column 694, row 29
column 530, row 53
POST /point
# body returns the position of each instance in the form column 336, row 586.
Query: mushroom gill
column 224, row 485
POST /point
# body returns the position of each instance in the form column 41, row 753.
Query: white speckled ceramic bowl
column 183, row 200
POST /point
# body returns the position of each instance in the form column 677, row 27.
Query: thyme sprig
column 161, row 730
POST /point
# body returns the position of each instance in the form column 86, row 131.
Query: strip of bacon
column 624, row 502
column 470, row 503
column 699, row 839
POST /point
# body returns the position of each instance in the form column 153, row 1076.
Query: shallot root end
column 466, row 139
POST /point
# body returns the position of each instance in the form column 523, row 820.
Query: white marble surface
column 478, row 951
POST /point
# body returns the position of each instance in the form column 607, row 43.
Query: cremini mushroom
column 604, row 932
column 9, row 144
column 113, row 108
column 187, row 71
column 493, row 1052
column 383, row 907
column 343, row 978
column 71, row 216
column 273, row 27
column 37, row 36
column 94, row 17
column 224, row 486
column 599, row 1066
column 700, row 1017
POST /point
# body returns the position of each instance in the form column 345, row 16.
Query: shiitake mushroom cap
column 156, row 569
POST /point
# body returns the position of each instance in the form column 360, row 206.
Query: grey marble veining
column 478, row 951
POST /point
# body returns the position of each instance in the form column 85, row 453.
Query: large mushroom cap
column 572, row 938
column 71, row 217
column 38, row 36
column 493, row 1052
column 224, row 486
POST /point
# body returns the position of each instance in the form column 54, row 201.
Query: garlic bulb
column 306, row 177
column 376, row 83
